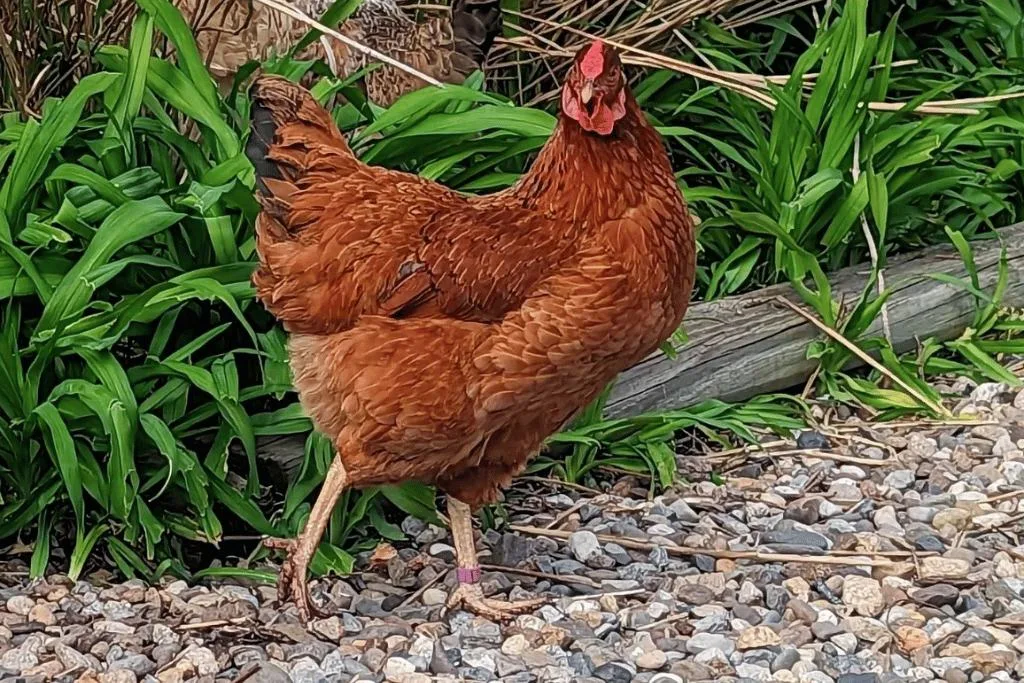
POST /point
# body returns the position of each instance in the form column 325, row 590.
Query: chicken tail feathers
column 295, row 149
column 475, row 25
column 291, row 135
column 257, row 148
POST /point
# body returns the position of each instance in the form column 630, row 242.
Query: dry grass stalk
column 803, row 453
column 286, row 7
column 632, row 54
column 872, row 247
column 860, row 559
column 763, row 9
column 561, row 578
column 550, row 39
column 856, row 350
column 47, row 47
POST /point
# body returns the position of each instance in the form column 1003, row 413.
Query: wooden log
column 747, row 345
column 743, row 346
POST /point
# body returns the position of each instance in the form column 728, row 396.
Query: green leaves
column 174, row 26
column 137, row 376
column 645, row 443
column 128, row 223
column 128, row 337
column 61, row 446
column 39, row 141
column 176, row 88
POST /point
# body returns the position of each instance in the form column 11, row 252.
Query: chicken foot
column 469, row 593
column 293, row 580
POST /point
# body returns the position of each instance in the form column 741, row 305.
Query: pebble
column 943, row 665
column 900, row 479
column 652, row 660
column 434, row 596
column 20, row 605
column 202, row 660
column 18, row 660
column 938, row 595
column 701, row 642
column 584, row 545
column 864, row 595
column 644, row 614
column 613, row 673
column 396, row 668
column 956, row 518
column 943, row 569
column 757, row 637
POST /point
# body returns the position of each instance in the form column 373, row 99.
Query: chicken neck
column 587, row 178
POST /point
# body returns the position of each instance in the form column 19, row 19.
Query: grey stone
column 18, row 660
column 942, row 665
column 938, row 595
column 138, row 664
column 612, row 672
column 584, row 545
column 700, row 642
column 786, row 659
column 269, row 673
column 796, row 537
column 305, row 670
column 900, row 479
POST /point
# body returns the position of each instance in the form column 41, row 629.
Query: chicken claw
column 469, row 592
column 471, row 596
column 292, row 580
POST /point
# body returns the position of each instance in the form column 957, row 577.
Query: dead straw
column 864, row 559
column 289, row 9
column 856, row 350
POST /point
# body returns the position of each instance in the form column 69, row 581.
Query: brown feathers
column 448, row 47
column 441, row 337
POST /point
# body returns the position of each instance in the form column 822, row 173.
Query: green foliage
column 809, row 188
column 137, row 373
column 779, row 193
column 136, row 370
column 645, row 444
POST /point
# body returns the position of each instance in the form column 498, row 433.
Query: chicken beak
column 586, row 92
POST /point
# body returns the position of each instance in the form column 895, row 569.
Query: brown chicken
column 231, row 33
column 443, row 338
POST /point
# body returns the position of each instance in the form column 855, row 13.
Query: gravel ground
column 856, row 553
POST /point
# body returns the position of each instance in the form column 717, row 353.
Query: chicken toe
column 292, row 583
column 471, row 597
column 469, row 593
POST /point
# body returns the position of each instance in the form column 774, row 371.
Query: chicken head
column 594, row 94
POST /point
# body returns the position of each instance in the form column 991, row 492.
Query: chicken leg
column 292, row 582
column 469, row 592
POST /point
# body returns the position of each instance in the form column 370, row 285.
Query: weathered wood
column 746, row 345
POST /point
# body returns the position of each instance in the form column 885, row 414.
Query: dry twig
column 860, row 559
column 856, row 350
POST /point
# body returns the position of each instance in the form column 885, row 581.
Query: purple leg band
column 468, row 574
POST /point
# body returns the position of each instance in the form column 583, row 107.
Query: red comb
column 593, row 62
